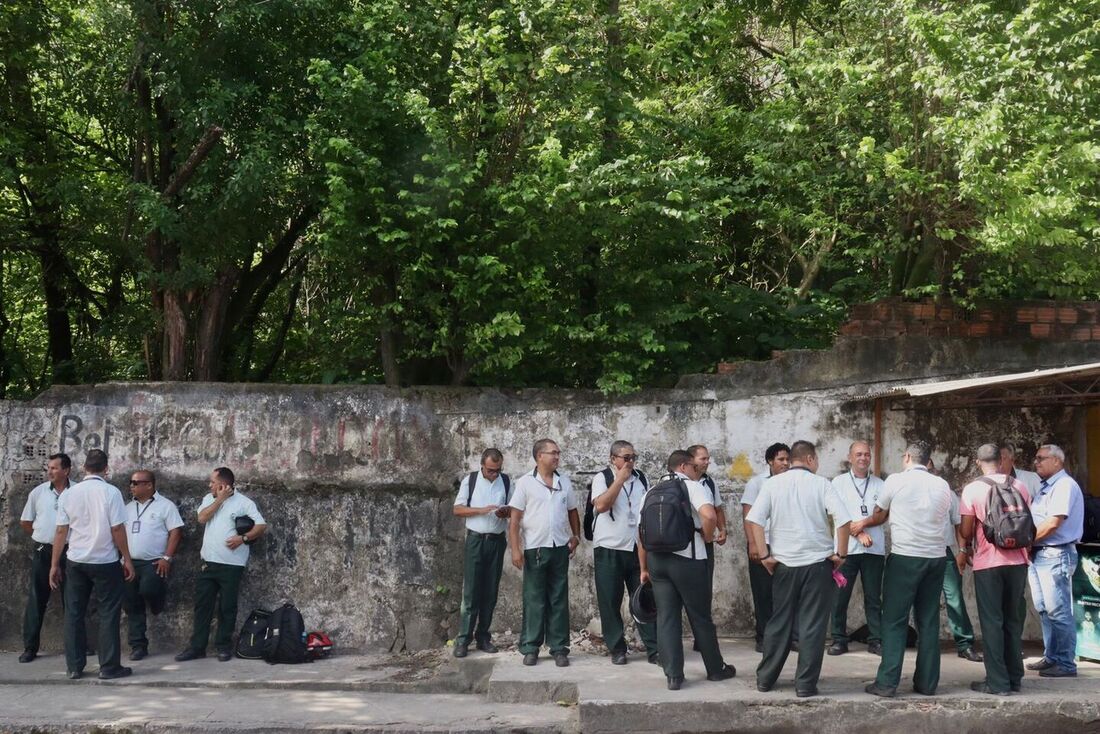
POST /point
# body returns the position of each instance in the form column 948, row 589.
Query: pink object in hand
column 838, row 577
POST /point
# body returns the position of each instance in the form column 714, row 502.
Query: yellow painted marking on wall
column 741, row 469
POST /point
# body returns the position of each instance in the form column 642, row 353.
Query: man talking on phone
column 224, row 557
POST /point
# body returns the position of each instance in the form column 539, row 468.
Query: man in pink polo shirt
column 1000, row 578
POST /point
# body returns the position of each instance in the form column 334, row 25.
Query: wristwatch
column 166, row 558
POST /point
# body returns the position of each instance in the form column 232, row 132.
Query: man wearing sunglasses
column 153, row 531
column 618, row 503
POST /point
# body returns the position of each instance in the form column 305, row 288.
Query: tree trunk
column 176, row 326
column 210, row 336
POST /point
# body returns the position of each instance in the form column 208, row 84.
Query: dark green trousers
column 545, row 600
column 147, row 590
column 480, row 584
column 868, row 567
column 38, row 596
column 105, row 580
column 803, row 600
column 958, row 619
column 760, row 581
column 1001, row 614
column 616, row 571
column 216, row 588
column 683, row 584
column 911, row 584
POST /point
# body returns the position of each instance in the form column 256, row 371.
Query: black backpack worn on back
column 285, row 640
column 250, row 642
column 590, row 509
column 1008, row 523
column 471, row 482
column 666, row 524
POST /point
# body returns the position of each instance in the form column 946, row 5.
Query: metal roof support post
column 878, row 437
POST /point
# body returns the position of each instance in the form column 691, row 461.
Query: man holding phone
column 224, row 557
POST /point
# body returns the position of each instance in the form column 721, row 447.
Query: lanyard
column 141, row 510
column 866, row 483
column 629, row 492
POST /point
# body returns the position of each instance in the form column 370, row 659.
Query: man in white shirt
column 224, row 557
column 681, row 581
column 778, row 458
column 91, row 515
column 39, row 520
column 917, row 504
column 860, row 489
column 796, row 506
column 700, row 457
column 544, row 532
column 1030, row 479
column 482, row 502
column 153, row 533
column 614, row 539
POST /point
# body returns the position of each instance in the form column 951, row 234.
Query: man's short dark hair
column 988, row 454
column 802, row 451
column 491, row 455
column 619, row 446
column 540, row 446
column 225, row 475
column 920, row 452
column 95, row 460
column 1007, row 446
column 678, row 458
column 694, row 449
column 148, row 475
column 773, row 451
column 66, row 462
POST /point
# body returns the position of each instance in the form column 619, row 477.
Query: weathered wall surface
column 357, row 483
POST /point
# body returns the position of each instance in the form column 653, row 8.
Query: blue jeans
column 1051, row 579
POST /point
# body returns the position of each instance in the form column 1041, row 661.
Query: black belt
column 1060, row 545
column 476, row 534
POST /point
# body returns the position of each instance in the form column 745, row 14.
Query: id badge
column 632, row 519
column 863, row 509
column 135, row 527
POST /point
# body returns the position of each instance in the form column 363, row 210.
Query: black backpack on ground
column 666, row 524
column 590, row 509
column 1008, row 523
column 250, row 642
column 471, row 481
column 285, row 638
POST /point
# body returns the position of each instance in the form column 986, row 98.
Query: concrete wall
column 357, row 483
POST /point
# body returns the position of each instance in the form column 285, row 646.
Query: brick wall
column 1050, row 320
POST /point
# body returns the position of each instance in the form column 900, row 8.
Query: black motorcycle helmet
column 643, row 605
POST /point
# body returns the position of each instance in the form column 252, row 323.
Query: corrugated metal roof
column 938, row 388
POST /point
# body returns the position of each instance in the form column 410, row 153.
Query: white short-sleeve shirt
column 41, row 511
column 223, row 525
column 485, row 493
column 148, row 525
column 91, row 508
column 545, row 509
column 618, row 529
column 1030, row 479
column 715, row 494
column 750, row 495
column 954, row 517
column 797, row 504
column 919, row 504
column 859, row 497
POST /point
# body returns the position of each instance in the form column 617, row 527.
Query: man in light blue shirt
column 1059, row 513
column 483, row 502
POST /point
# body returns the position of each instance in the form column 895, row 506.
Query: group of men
column 90, row 542
column 806, row 535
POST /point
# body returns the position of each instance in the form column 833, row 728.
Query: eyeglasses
column 628, row 457
column 1042, row 458
column 134, row 482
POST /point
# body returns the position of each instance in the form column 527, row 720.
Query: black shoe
column 224, row 656
column 875, row 648
column 971, row 654
column 980, row 686
column 561, row 659
column 112, row 673
column 759, row 646
column 794, row 646
column 190, row 654
column 874, row 690
column 923, row 692
column 74, row 675
column 727, row 672
column 1055, row 671
column 486, row 646
column 1015, row 687
column 461, row 651
column 837, row 648
column 530, row 658
column 28, row 656
column 139, row 653
column 618, row 658
column 806, row 694
column 1040, row 664
column 675, row 682
column 763, row 689
column 654, row 660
